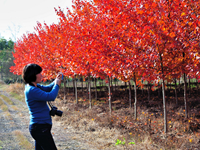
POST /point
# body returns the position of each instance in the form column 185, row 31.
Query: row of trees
column 6, row 59
column 6, row 44
column 143, row 40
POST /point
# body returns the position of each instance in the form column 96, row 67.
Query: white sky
column 24, row 14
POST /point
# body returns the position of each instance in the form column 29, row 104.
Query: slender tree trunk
column 111, row 87
column 115, row 84
column 180, row 84
column 68, row 85
column 130, row 103
column 109, row 93
column 125, row 86
column 148, row 91
column 142, row 89
column 189, row 86
column 176, row 92
column 75, row 83
column 135, row 104
column 74, row 87
column 164, row 107
column 164, row 100
column 89, row 92
column 100, row 86
column 95, row 81
column 64, row 88
column 82, row 85
column 185, row 96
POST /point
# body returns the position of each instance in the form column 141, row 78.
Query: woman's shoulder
column 30, row 88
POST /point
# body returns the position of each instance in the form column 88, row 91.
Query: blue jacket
column 36, row 99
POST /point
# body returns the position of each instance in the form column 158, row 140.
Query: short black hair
column 29, row 73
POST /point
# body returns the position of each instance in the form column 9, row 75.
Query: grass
column 23, row 141
column 16, row 90
column 8, row 100
column 3, row 86
column 3, row 106
column 14, row 107
column 17, row 96
column 1, row 144
column 146, row 131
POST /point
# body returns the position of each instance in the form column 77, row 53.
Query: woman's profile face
column 39, row 78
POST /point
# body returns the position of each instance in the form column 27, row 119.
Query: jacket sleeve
column 46, row 88
column 40, row 95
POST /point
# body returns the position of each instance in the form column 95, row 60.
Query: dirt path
column 15, row 121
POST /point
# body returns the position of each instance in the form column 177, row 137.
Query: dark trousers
column 42, row 135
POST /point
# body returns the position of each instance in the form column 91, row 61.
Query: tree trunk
column 148, row 91
column 75, row 83
column 176, row 92
column 89, row 92
column 109, row 93
column 130, row 103
column 142, row 89
column 185, row 96
column 115, row 84
column 189, row 86
column 95, row 81
column 135, row 104
column 74, row 87
column 164, row 100
column 164, row 107
column 82, row 85
column 68, row 85
column 100, row 86
column 64, row 88
column 111, row 83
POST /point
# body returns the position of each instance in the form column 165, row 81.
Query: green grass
column 7, row 99
column 3, row 106
column 3, row 86
column 1, row 144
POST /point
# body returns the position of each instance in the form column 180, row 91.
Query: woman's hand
column 59, row 75
column 58, row 78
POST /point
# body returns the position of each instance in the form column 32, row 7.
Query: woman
column 36, row 97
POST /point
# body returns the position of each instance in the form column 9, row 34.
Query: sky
column 17, row 17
